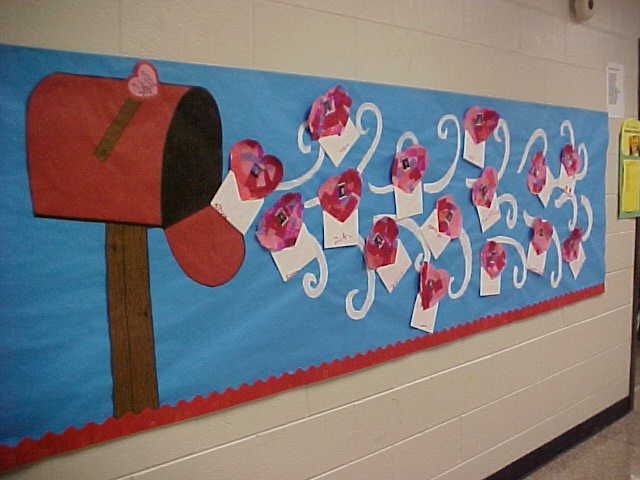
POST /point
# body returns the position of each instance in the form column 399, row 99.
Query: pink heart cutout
column 339, row 195
column 480, row 123
column 381, row 245
column 408, row 167
column 257, row 174
column 433, row 285
column 570, row 159
column 571, row 245
column 280, row 225
column 143, row 82
column 541, row 232
column 484, row 188
column 537, row 175
column 493, row 258
column 449, row 216
column 329, row 113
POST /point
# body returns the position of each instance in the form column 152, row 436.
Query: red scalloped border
column 29, row 450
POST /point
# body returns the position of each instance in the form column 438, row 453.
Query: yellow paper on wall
column 631, row 186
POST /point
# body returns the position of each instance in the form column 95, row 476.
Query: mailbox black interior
column 192, row 166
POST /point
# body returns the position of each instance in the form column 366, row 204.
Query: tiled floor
column 612, row 454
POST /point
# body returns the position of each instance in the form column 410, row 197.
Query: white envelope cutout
column 565, row 181
column 423, row 319
column 536, row 262
column 473, row 152
column 293, row 259
column 337, row 146
column 547, row 190
column 576, row 265
column 408, row 204
column 340, row 234
column 392, row 274
column 488, row 285
column 436, row 240
column 240, row 213
column 489, row 215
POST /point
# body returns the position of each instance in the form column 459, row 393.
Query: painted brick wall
column 460, row 411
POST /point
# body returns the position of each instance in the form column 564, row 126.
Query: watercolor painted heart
column 280, row 225
column 541, row 232
column 493, row 258
column 257, row 174
column 143, row 82
column 408, row 167
column 339, row 195
column 449, row 216
column 537, row 175
column 329, row 113
column 484, row 188
column 571, row 245
column 433, row 285
column 381, row 245
column 480, row 123
column 571, row 160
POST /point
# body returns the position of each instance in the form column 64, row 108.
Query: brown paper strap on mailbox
column 115, row 128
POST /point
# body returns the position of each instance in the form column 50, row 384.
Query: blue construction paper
column 54, row 339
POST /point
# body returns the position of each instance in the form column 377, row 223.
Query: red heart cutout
column 449, row 216
column 280, row 225
column 570, row 159
column 571, row 246
column 480, row 123
column 381, row 245
column 537, row 176
column 329, row 113
column 408, row 167
column 257, row 174
column 339, row 195
column 143, row 82
column 493, row 258
column 433, row 285
column 541, row 232
column 484, row 188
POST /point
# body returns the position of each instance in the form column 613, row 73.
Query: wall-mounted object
column 583, row 10
column 629, row 170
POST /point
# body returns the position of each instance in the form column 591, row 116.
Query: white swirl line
column 537, row 133
column 439, row 185
column 557, row 276
column 359, row 313
column 313, row 202
column 369, row 107
column 566, row 125
column 465, row 243
column 582, row 151
column 296, row 182
column 313, row 286
column 512, row 214
column 586, row 203
column 528, row 219
column 523, row 258
column 381, row 190
column 408, row 135
column 502, row 125
column 564, row 198
column 425, row 255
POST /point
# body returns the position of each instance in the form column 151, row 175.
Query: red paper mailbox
column 136, row 152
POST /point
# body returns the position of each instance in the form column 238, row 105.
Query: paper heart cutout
column 381, row 245
column 480, row 123
column 257, row 174
column 408, row 167
column 570, row 159
column 484, row 188
column 339, row 195
column 434, row 284
column 493, row 258
column 329, row 113
column 537, row 175
column 143, row 82
column 280, row 225
column 449, row 216
column 541, row 232
column 571, row 245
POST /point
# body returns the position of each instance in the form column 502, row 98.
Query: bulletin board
column 263, row 231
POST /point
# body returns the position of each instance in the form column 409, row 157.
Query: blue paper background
column 54, row 340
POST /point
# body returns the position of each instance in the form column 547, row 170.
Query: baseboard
column 570, row 438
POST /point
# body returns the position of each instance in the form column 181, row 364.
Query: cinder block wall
column 460, row 411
